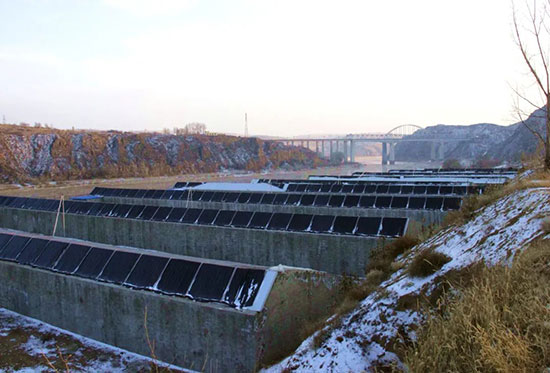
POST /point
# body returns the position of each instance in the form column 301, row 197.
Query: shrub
column 427, row 262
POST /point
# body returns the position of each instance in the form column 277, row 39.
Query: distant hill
column 491, row 141
column 28, row 153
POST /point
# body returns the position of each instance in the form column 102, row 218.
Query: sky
column 294, row 66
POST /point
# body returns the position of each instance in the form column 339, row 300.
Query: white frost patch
column 240, row 187
column 37, row 347
column 366, row 334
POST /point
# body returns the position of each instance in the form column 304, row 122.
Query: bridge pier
column 323, row 148
column 352, row 151
column 384, row 153
column 345, row 146
column 392, row 153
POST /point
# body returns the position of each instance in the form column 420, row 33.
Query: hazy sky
column 295, row 66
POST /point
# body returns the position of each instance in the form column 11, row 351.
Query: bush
column 427, row 262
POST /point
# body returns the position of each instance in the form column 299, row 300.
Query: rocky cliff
column 485, row 140
column 50, row 154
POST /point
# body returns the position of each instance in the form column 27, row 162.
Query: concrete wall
column 424, row 217
column 186, row 333
column 336, row 254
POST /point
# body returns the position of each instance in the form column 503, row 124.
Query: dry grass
column 500, row 323
column 427, row 262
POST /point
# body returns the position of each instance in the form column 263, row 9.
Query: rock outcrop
column 484, row 141
column 50, row 154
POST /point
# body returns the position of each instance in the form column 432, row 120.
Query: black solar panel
column 244, row 287
column 394, row 189
column 344, row 224
column 382, row 189
column 293, row 199
column 71, row 258
column 196, row 195
column 399, row 202
column 13, row 247
column 260, row 220
column 230, row 197
column 224, row 218
column 367, row 201
column 268, row 199
column 432, row 189
column 336, row 200
column 322, row 223
column 255, row 198
column 191, row 216
column 162, row 214
column 406, row 189
column 279, row 221
column 368, row 226
column 120, row 211
column 241, row 218
column 370, row 189
column 134, row 212
column 351, row 201
column 417, row 202
column 280, row 199
column 4, row 238
column 244, row 197
column 336, row 188
column 211, row 282
column 33, row 249
column 207, row 196
column 313, row 187
column 347, row 188
column 393, row 226
column 119, row 266
column 106, row 210
column 95, row 209
column 217, row 197
column 419, row 189
column 50, row 254
column 207, row 216
column 177, row 276
column 300, row 222
column 383, row 202
column 358, row 189
column 147, row 271
column 148, row 212
column 321, row 200
column 176, row 214
column 94, row 262
column 434, row 203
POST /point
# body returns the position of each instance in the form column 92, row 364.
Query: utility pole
column 245, row 125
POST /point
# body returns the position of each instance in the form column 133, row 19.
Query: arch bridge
column 346, row 144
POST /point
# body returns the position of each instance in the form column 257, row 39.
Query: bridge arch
column 404, row 130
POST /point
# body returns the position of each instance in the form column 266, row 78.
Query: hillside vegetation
column 471, row 298
column 28, row 153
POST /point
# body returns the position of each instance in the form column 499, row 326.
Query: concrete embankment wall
column 186, row 333
column 337, row 254
column 424, row 217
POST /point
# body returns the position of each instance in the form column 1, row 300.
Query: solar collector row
column 231, row 285
column 295, row 199
column 325, row 188
column 280, row 183
column 331, row 224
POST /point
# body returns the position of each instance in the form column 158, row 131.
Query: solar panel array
column 309, row 223
column 206, row 282
column 282, row 183
column 411, row 201
column 187, row 184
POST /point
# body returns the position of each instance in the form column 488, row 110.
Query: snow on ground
column 367, row 333
column 34, row 341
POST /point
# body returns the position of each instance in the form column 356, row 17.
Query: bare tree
column 532, row 36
